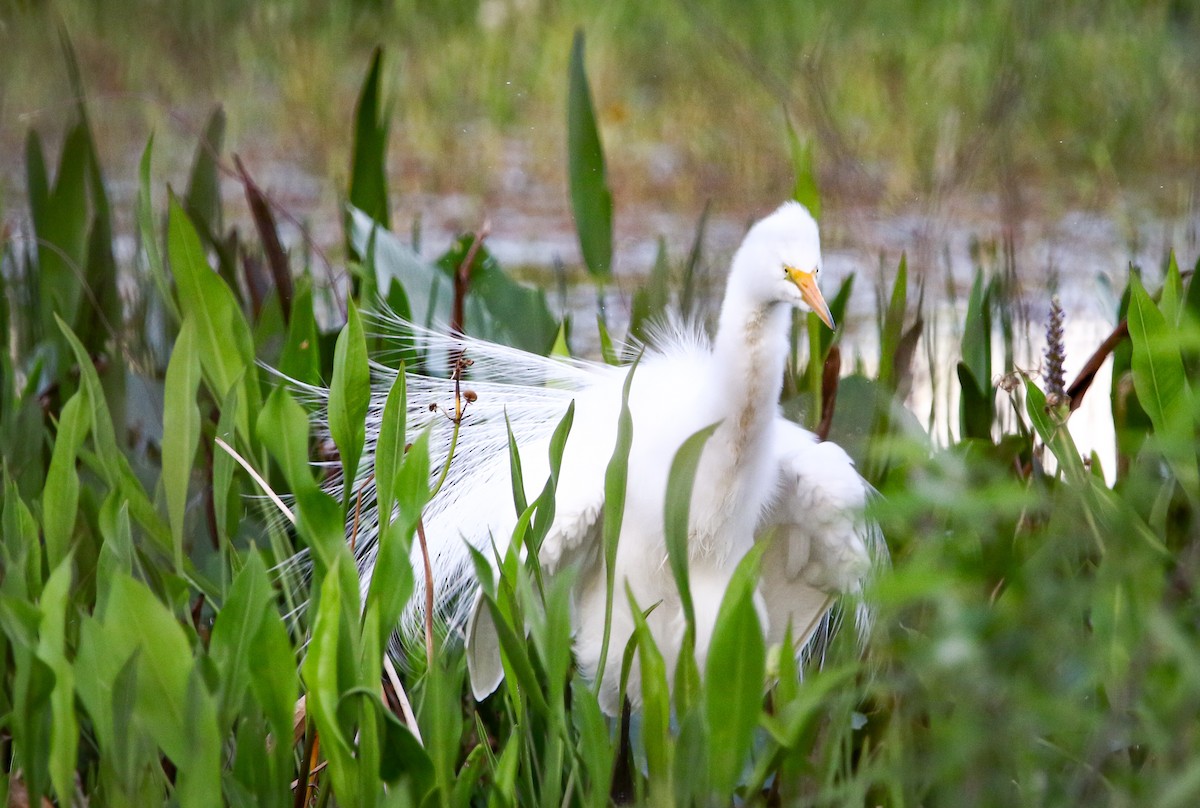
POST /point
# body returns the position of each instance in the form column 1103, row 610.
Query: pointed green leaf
column 389, row 446
column 734, row 675
column 60, row 497
column 181, row 430
column 349, row 397
column 591, row 201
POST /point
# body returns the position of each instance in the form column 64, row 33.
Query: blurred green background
column 1075, row 103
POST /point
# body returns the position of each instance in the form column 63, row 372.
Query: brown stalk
column 829, row 387
column 428, row 592
column 1087, row 374
column 462, row 282
column 260, row 211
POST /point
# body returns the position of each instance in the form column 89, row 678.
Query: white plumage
column 760, row 476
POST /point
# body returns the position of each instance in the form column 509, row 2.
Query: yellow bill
column 806, row 282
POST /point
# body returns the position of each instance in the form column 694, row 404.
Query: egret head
column 780, row 261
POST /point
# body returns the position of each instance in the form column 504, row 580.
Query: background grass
column 1081, row 102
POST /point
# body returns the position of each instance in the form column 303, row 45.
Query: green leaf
column 497, row 307
column 301, row 356
column 804, row 190
column 283, row 428
column 52, row 650
column 975, row 406
column 60, row 497
column 893, row 325
column 136, row 621
column 1053, row 434
column 349, row 398
column 60, row 221
column 224, row 341
column 651, row 300
column 734, row 675
column 275, row 683
column 109, row 461
column 591, row 201
column 677, row 506
column 223, row 468
column 320, row 668
column 203, row 197
column 199, row 781
column 149, row 236
column 389, row 447
column 615, row 480
column 234, row 634
column 977, row 349
column 517, row 659
column 368, row 171
column 181, row 430
column 656, row 703
column 1161, row 385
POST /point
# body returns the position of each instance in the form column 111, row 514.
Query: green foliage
column 591, row 199
column 1034, row 642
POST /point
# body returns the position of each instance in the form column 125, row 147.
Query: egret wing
column 822, row 544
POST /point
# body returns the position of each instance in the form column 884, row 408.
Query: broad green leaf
column 349, row 398
column 301, row 357
column 203, row 197
column 60, row 498
column 403, row 756
column 320, row 670
column 516, row 473
column 283, row 428
column 651, row 299
column 977, row 348
column 148, row 234
column 234, row 634
column 275, row 683
column 52, row 650
column 975, row 406
column 675, row 513
column 734, row 675
column 108, row 460
column 199, row 780
column 544, row 517
column 223, row 467
column 389, row 447
column 893, row 325
column 117, row 555
column 591, row 200
column 181, row 430
column 497, row 307
column 1162, row 387
column 368, row 171
column 137, row 621
column 21, row 552
column 60, row 221
column 223, row 337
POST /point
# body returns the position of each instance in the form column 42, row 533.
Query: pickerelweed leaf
column 591, row 201
column 734, row 675
column 181, row 430
column 349, row 398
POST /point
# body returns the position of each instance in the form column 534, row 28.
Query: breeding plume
column 760, row 477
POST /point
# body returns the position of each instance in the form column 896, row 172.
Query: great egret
column 759, row 475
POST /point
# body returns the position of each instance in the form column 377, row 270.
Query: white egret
column 760, row 476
